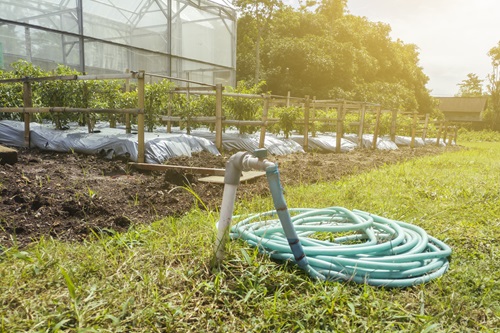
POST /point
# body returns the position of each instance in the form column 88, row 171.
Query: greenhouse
column 193, row 40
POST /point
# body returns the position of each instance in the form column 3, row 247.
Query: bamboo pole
column 393, row 125
column 59, row 109
column 265, row 111
column 128, row 127
column 140, row 118
column 440, row 130
column 377, row 127
column 340, row 130
column 413, row 130
column 313, row 116
column 28, row 102
column 218, row 116
column 163, row 167
column 426, row 126
column 361, row 125
column 306, row 123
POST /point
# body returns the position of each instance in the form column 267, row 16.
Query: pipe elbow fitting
column 234, row 168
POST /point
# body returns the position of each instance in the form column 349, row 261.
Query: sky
column 453, row 36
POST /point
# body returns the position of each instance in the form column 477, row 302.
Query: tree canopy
column 321, row 50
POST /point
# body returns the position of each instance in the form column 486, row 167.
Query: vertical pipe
column 28, row 103
column 280, row 205
column 288, row 99
column 226, row 215
column 306, row 123
column 265, row 111
column 218, row 116
column 377, row 127
column 140, row 117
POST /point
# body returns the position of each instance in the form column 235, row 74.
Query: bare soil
column 71, row 196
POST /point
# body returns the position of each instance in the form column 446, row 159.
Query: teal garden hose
column 332, row 243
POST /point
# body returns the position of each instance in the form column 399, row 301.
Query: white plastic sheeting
column 160, row 146
column 233, row 141
column 110, row 142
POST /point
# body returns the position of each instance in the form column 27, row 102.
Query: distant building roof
column 462, row 109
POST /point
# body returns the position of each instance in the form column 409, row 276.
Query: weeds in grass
column 156, row 278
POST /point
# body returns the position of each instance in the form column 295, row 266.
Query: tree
column 471, row 87
column 494, row 85
column 262, row 12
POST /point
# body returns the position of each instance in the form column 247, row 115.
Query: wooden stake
column 140, row 118
column 218, row 116
column 306, row 123
column 263, row 128
column 28, row 103
column 377, row 126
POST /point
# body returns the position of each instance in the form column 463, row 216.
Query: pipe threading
column 340, row 244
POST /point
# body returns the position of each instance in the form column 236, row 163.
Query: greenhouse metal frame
column 193, row 40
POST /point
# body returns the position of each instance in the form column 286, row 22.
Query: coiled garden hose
column 350, row 245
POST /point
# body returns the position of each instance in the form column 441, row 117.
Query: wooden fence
column 309, row 106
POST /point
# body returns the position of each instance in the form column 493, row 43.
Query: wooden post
column 393, row 125
column 128, row 128
column 306, row 123
column 288, row 99
column 313, row 117
column 340, row 130
column 377, row 126
column 361, row 125
column 450, row 135
column 28, row 103
column 263, row 128
column 426, row 126
column 456, row 134
column 440, row 130
column 445, row 133
column 169, row 112
column 218, row 116
column 140, row 117
column 413, row 130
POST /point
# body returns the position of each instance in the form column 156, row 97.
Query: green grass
column 157, row 278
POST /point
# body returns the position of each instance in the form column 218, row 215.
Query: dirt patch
column 70, row 196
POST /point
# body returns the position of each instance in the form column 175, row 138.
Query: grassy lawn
column 157, row 278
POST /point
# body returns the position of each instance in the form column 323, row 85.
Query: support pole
column 313, row 116
column 426, row 126
column 393, row 125
column 218, row 116
column 306, row 123
column 140, row 118
column 340, row 129
column 128, row 128
column 413, row 130
column 263, row 128
column 361, row 125
column 440, row 130
column 377, row 127
column 28, row 103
